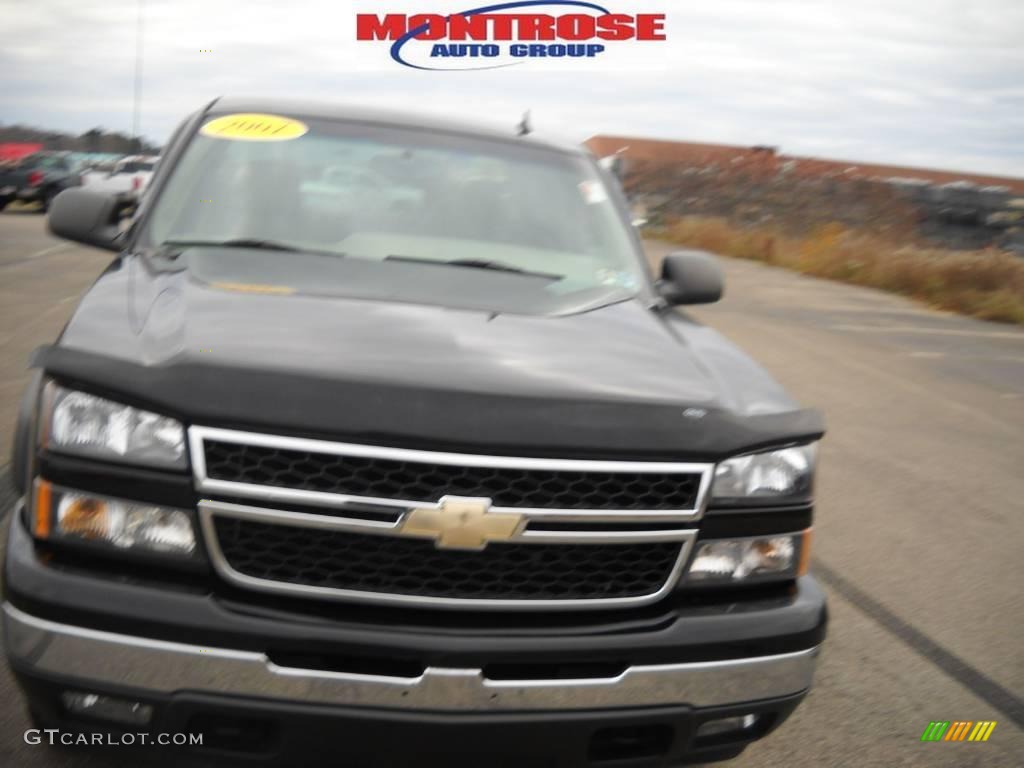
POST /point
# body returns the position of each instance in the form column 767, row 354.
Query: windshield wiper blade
column 238, row 242
column 496, row 266
column 168, row 248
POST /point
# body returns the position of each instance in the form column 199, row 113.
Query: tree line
column 93, row 140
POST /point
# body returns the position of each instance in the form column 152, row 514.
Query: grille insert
column 341, row 560
column 427, row 482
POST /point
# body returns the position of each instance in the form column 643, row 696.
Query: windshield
column 41, row 161
column 392, row 197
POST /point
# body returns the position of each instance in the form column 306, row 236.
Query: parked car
column 127, row 177
column 96, row 170
column 447, row 481
column 37, row 178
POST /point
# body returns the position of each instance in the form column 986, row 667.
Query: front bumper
column 106, row 659
column 257, row 731
column 201, row 658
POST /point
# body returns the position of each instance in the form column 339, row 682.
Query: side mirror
column 691, row 277
column 86, row 216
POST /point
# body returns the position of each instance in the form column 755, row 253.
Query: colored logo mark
column 958, row 730
column 502, row 35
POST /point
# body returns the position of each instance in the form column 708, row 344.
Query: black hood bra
column 405, row 416
column 619, row 381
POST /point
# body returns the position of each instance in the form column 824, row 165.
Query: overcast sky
column 935, row 83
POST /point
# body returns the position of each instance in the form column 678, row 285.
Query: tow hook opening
column 630, row 742
column 231, row 733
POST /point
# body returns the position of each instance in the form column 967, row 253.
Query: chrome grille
column 343, row 560
column 311, row 534
column 377, row 477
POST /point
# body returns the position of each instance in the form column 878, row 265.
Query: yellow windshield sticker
column 254, row 127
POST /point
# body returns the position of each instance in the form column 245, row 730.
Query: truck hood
column 616, row 380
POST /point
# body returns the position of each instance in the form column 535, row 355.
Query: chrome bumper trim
column 90, row 657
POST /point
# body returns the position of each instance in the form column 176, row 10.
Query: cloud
column 877, row 80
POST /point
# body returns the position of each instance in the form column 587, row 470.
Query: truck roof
column 396, row 118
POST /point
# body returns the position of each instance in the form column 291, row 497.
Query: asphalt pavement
column 919, row 531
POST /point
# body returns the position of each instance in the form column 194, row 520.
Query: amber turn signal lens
column 44, row 507
column 805, row 553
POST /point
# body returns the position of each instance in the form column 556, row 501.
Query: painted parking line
column 51, row 249
column 1015, row 335
column 38, row 254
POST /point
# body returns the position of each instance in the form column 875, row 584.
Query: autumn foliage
column 987, row 284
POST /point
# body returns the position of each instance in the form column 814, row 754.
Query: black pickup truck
column 378, row 444
column 38, row 178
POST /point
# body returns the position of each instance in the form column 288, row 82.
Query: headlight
column 93, row 426
column 741, row 561
column 79, row 516
column 782, row 474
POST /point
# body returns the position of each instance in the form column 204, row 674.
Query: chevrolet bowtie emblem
column 461, row 523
